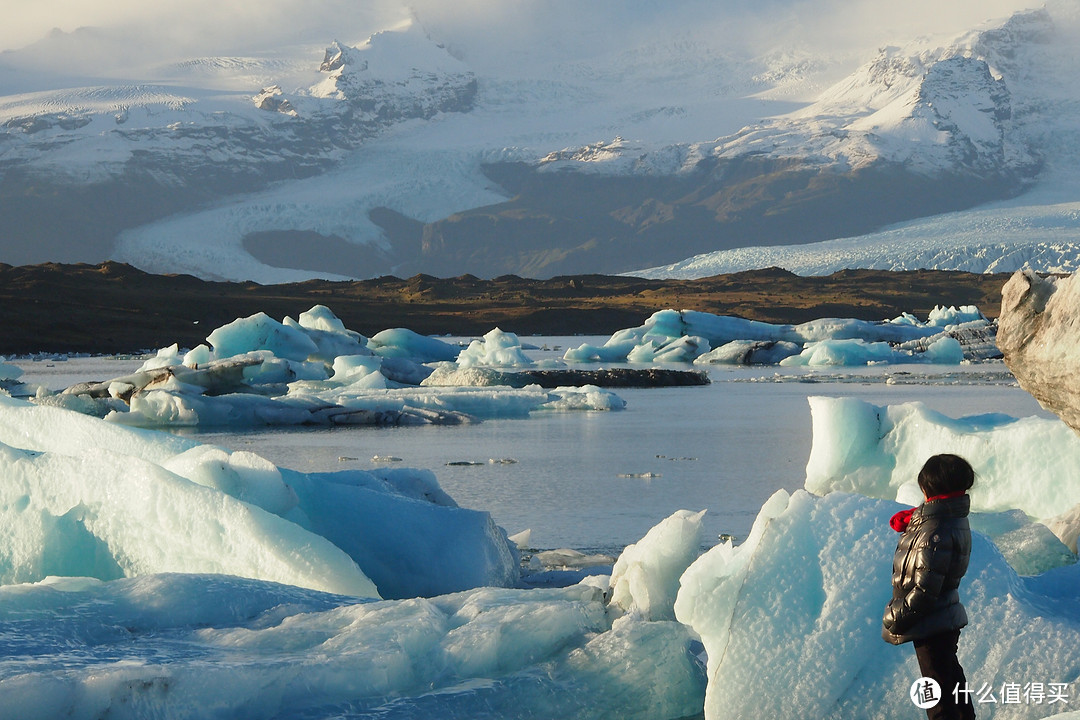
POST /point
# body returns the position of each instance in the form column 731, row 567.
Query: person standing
column 931, row 558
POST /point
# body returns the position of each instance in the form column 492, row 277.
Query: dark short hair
column 945, row 474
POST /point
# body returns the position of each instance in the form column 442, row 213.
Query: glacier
column 324, row 155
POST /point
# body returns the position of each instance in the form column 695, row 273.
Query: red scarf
column 900, row 520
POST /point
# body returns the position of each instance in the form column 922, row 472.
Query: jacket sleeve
column 930, row 561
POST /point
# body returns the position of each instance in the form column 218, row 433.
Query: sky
column 196, row 27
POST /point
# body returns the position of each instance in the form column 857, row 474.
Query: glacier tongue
column 313, row 142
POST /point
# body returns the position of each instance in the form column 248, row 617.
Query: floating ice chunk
column 348, row 369
column 750, row 352
column 99, row 488
column 497, row 349
column 570, row 559
column 9, row 371
column 942, row 316
column 265, row 368
column 612, row 351
column 106, row 515
column 680, row 349
column 199, row 355
column 404, row 343
column 321, row 318
column 261, row 332
column 404, row 371
column 523, row 539
column 243, row 475
column 944, row 351
column 586, row 397
column 255, row 649
column 165, row 356
column 410, row 538
column 682, row 336
column 810, row 582
column 876, row 451
column 42, row 428
column 842, row 352
column 329, row 334
column 645, row 579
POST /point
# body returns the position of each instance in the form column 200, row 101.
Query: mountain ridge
column 347, row 154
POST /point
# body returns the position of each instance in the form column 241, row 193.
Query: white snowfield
column 654, row 93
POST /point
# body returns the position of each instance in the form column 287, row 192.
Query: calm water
column 600, row 480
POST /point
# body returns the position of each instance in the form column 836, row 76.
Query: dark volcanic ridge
column 114, row 308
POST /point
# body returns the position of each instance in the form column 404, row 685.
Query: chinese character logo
column 925, row 693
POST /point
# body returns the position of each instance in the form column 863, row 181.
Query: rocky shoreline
column 115, row 308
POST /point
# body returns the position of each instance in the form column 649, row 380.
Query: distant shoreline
column 115, row 308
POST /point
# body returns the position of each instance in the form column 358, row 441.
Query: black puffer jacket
column 931, row 558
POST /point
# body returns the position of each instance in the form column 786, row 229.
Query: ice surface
column 86, row 497
column 496, row 349
column 9, row 372
column 201, row 646
column 402, row 342
column 261, row 332
column 791, row 618
column 878, row 451
column 109, row 515
column 645, row 578
column 315, row 371
column 691, row 336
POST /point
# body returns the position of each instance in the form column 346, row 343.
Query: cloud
column 200, row 26
column 492, row 34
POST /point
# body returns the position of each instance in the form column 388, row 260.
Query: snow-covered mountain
column 555, row 140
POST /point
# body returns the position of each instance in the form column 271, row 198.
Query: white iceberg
column 692, row 336
column 496, row 349
column 79, row 496
column 191, row 645
column 791, row 618
column 317, row 372
column 878, row 450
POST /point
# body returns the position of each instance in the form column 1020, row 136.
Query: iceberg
column 314, row 371
column 949, row 336
column 208, row 645
column 496, row 349
column 790, row 619
column 83, row 497
column 877, row 451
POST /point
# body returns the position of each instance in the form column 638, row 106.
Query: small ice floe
column 567, row 559
column 640, row 475
column 502, row 461
column 523, row 539
column 464, row 463
column 385, row 459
